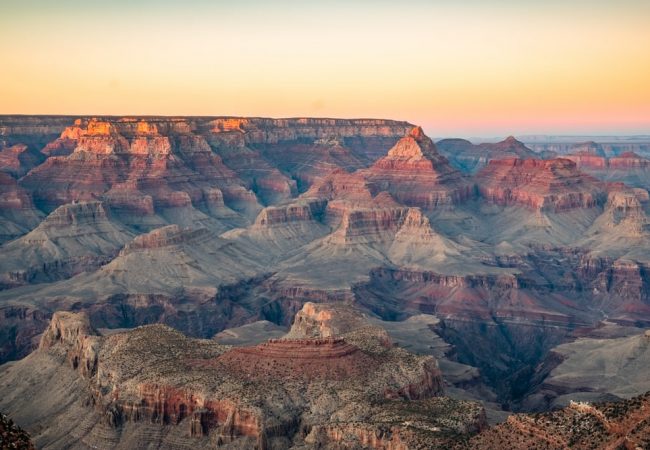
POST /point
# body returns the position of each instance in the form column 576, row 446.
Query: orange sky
column 484, row 68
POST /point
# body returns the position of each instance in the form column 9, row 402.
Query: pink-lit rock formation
column 554, row 185
column 415, row 174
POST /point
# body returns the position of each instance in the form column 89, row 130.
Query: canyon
column 313, row 283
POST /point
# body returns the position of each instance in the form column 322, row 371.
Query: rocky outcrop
column 622, row 424
column 159, row 158
column 555, row 185
column 415, row 174
column 588, row 161
column 470, row 158
column 263, row 396
column 627, row 167
column 629, row 160
column 624, row 213
column 317, row 320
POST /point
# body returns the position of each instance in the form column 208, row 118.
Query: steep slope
column 161, row 158
column 304, row 149
column 152, row 385
column 591, row 368
column 72, row 239
column 17, row 212
column 182, row 277
column 415, row 174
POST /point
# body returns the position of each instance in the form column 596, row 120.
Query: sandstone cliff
column 154, row 385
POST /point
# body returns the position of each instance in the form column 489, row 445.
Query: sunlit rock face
column 415, row 174
column 554, row 184
column 218, row 223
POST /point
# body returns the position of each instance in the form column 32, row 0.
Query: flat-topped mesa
column 629, row 160
column 555, row 185
column 588, row 148
column 272, row 131
column 328, row 358
column 122, row 137
column 588, row 161
column 415, row 174
column 624, row 161
column 154, row 378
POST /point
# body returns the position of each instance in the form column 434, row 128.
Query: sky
column 458, row 68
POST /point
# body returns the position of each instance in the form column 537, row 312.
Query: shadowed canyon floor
column 521, row 272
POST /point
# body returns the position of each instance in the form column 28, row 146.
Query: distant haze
column 484, row 68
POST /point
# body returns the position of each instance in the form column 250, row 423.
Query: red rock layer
column 167, row 405
column 588, row 161
column 555, row 185
column 162, row 159
column 415, row 174
column 627, row 160
column 328, row 358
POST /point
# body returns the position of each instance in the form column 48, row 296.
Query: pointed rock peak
column 511, row 140
column 415, row 145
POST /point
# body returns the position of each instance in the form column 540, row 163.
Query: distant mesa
column 555, row 185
